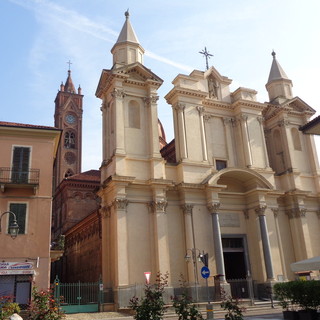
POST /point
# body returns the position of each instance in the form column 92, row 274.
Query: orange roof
column 91, row 175
column 25, row 125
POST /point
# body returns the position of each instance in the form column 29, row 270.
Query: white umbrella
column 306, row 265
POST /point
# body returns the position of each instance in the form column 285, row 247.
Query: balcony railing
column 12, row 176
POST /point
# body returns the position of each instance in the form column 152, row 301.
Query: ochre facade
column 26, row 190
column 240, row 181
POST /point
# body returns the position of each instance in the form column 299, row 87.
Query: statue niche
column 213, row 88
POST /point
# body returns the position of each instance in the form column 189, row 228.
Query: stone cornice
column 178, row 91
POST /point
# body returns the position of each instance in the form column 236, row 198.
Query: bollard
column 210, row 312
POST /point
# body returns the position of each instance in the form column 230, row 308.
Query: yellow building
column 244, row 186
column 26, row 166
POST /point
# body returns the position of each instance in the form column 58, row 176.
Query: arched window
column 70, row 140
column 296, row 139
column 134, row 114
column 69, row 173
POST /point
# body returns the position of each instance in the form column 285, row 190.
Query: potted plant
column 304, row 294
column 283, row 292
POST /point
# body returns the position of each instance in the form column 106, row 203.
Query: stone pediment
column 294, row 105
column 137, row 71
column 298, row 105
column 214, row 74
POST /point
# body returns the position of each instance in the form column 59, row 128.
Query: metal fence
column 243, row 288
column 79, row 296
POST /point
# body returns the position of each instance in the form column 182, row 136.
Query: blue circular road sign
column 205, row 272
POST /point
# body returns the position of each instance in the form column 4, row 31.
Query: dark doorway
column 234, row 265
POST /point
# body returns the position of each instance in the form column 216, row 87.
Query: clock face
column 70, row 118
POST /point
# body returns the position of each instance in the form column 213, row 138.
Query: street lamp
column 13, row 227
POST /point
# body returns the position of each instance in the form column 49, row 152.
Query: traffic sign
column 205, row 272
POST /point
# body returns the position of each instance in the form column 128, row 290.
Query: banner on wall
column 16, row 268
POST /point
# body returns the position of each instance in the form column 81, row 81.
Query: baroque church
column 239, row 183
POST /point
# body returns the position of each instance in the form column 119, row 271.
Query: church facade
column 239, row 182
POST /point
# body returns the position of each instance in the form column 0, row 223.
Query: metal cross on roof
column 207, row 56
column 69, row 63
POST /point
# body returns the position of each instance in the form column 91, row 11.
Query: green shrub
column 8, row 307
column 151, row 306
column 43, row 306
column 305, row 294
column 232, row 306
column 184, row 306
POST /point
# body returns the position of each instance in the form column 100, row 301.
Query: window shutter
column 20, row 164
column 20, row 210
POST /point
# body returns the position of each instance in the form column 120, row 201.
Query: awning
column 306, row 265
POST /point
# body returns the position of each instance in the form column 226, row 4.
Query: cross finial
column 207, row 56
column 69, row 63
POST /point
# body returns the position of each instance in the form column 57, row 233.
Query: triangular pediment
column 298, row 105
column 295, row 105
column 213, row 73
column 137, row 71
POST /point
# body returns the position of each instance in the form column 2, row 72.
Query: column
column 283, row 264
column 218, row 249
column 122, row 264
column 105, row 213
column 265, row 152
column 202, row 133
column 151, row 104
column 190, row 238
column 118, row 96
column 228, row 122
column 182, row 145
column 246, row 140
column 260, row 211
column 161, row 241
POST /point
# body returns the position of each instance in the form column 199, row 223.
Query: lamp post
column 194, row 258
column 13, row 227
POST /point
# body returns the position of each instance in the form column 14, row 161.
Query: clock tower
column 68, row 118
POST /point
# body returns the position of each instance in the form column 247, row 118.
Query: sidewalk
column 255, row 313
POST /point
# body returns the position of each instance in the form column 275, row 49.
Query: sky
column 39, row 37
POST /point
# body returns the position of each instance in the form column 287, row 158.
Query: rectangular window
column 20, row 164
column 20, row 210
column 221, row 164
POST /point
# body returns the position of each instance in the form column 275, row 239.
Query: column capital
column 105, row 211
column 260, row 119
column 283, row 123
column 200, row 110
column 151, row 99
column 243, row 117
column 213, row 207
column 187, row 208
column 275, row 212
column 118, row 93
column 179, row 107
column 158, row 206
column 260, row 209
column 297, row 212
column 120, row 203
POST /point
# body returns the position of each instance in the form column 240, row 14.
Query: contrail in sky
column 74, row 20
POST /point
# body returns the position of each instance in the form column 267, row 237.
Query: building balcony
column 11, row 178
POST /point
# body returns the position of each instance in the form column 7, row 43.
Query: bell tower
column 68, row 118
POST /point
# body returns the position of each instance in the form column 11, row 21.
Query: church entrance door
column 236, row 264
